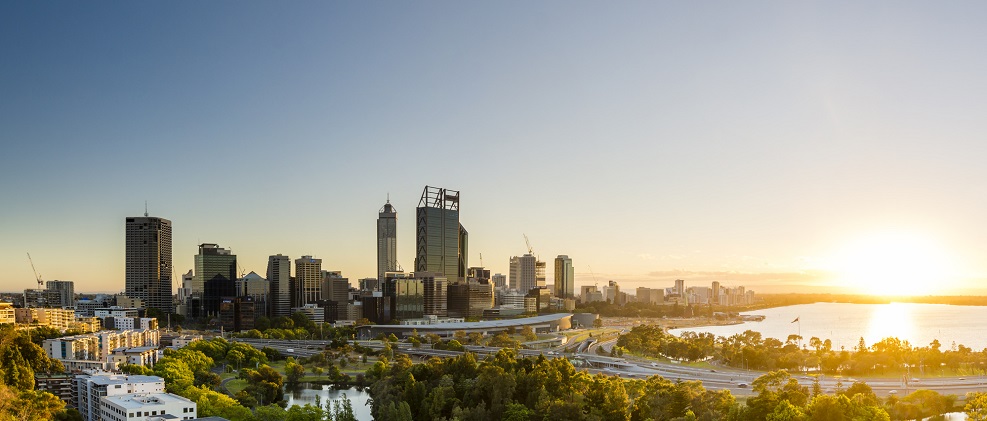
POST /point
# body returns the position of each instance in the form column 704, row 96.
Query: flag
column 796, row 319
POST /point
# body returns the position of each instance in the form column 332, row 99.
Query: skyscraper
column 441, row 241
column 148, row 264
column 308, row 281
column 387, row 240
column 215, row 278
column 279, row 275
column 564, row 277
column 527, row 272
column 680, row 287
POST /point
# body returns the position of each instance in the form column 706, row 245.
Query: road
column 718, row 378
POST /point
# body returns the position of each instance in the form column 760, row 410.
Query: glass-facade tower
column 215, row 277
column 441, row 242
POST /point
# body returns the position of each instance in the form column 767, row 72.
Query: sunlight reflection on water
column 845, row 324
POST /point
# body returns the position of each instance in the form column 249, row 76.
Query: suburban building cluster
column 678, row 294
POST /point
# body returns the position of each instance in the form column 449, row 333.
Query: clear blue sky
column 747, row 142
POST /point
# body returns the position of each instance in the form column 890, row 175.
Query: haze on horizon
column 802, row 146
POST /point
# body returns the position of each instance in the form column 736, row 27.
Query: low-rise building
column 90, row 389
column 56, row 318
column 59, row 385
column 143, row 406
column 7, row 313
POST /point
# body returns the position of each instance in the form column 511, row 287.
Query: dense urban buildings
column 441, row 241
column 279, row 276
column 387, row 240
column 564, row 277
column 148, row 263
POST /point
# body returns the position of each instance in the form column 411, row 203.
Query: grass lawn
column 235, row 386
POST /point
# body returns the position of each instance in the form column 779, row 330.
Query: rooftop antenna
column 388, row 197
column 145, row 209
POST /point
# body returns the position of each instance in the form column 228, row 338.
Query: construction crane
column 596, row 282
column 242, row 272
column 528, row 243
column 41, row 283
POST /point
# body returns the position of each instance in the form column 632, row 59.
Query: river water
column 845, row 324
column 306, row 393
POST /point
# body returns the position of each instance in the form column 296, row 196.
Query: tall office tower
column 308, row 281
column 65, row 291
column 715, row 298
column 279, row 275
column 499, row 280
column 387, row 240
column 441, row 242
column 148, row 264
column 564, row 277
column 680, row 287
column 478, row 273
column 435, row 287
column 527, row 272
column 215, row 278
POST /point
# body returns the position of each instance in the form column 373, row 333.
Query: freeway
column 738, row 381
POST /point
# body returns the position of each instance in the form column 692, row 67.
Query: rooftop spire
column 145, row 209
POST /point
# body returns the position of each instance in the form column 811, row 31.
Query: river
column 845, row 324
column 306, row 393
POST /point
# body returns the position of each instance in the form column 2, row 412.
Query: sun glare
column 894, row 264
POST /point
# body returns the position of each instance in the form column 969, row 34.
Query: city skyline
column 783, row 147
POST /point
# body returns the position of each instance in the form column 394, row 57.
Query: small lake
column 845, row 324
column 308, row 393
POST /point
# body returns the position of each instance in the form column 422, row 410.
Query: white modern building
column 145, row 406
column 91, row 389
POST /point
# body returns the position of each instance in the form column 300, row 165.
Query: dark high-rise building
column 387, row 240
column 441, row 242
column 376, row 307
column 279, row 276
column 469, row 298
column 237, row 313
column 148, row 264
column 434, row 288
column 215, row 274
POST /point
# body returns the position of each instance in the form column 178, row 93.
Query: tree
column 597, row 322
column 293, row 371
column 528, row 333
column 976, row 406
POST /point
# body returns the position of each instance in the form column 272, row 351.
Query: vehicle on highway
column 742, row 385
column 290, row 350
column 654, row 364
column 893, row 392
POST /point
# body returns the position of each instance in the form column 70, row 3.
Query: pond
column 308, row 393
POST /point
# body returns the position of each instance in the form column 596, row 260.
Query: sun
column 894, row 263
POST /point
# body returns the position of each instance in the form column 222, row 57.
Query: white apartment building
column 145, row 406
column 91, row 389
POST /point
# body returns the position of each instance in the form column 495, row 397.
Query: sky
column 754, row 143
